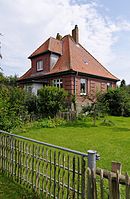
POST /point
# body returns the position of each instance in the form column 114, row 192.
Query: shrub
column 118, row 101
column 12, row 108
column 51, row 100
column 96, row 109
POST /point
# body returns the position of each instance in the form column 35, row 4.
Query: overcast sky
column 104, row 27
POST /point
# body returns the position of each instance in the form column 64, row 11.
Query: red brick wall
column 46, row 63
column 93, row 86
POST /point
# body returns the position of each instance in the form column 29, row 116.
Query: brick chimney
column 75, row 34
column 58, row 36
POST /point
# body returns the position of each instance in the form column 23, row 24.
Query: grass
column 111, row 142
column 11, row 190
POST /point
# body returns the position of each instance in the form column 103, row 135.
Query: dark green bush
column 51, row 100
column 12, row 108
column 118, row 101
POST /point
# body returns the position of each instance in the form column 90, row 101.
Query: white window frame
column 39, row 64
column 58, row 83
column 83, row 81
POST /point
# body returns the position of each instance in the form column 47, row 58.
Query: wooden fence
column 69, row 116
column 57, row 172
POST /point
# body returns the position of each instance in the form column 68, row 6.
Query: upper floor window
column 58, row 83
column 53, row 59
column 82, row 86
column 39, row 65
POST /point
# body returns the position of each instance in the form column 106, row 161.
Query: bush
column 96, row 109
column 12, row 108
column 51, row 100
column 118, row 101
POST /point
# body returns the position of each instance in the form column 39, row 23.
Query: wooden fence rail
column 56, row 172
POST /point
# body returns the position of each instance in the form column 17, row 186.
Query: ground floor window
column 58, row 83
column 82, row 86
column 109, row 85
column 28, row 88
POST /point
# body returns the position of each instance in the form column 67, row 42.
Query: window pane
column 58, row 83
column 39, row 65
column 83, row 86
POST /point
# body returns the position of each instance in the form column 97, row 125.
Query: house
column 64, row 62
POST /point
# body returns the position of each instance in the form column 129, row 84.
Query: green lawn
column 12, row 190
column 111, row 142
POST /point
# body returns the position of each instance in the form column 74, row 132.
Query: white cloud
column 26, row 24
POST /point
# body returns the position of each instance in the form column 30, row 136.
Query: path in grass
column 111, row 142
column 11, row 190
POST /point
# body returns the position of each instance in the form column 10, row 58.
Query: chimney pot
column 58, row 36
column 75, row 34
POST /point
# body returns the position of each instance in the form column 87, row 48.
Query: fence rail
column 60, row 173
column 51, row 171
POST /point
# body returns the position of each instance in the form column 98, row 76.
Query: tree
column 118, row 101
column 97, row 108
column 51, row 100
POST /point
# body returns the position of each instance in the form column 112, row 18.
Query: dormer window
column 39, row 65
column 53, row 59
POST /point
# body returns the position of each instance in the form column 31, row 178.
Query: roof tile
column 72, row 57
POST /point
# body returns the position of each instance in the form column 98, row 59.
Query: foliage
column 9, row 80
column 31, row 104
column 12, row 109
column 49, row 123
column 17, row 106
column 96, row 109
column 51, row 100
column 118, row 101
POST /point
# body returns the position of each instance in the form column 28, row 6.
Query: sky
column 104, row 30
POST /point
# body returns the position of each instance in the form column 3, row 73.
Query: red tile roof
column 51, row 44
column 73, row 57
column 26, row 75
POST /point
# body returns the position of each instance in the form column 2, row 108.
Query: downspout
column 74, row 100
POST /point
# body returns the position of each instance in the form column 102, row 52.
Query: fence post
column 92, row 159
column 92, row 193
column 116, row 168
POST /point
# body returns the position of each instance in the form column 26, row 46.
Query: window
column 53, row 59
column 109, row 85
column 58, row 83
column 39, row 65
column 28, row 88
column 82, row 86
